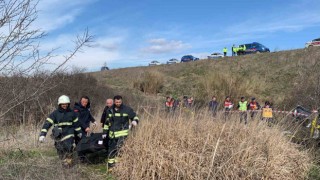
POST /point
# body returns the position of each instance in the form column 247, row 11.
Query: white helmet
column 63, row 100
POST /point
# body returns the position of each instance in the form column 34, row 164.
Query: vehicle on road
column 252, row 48
column 154, row 63
column 315, row 42
column 173, row 61
column 188, row 58
column 215, row 56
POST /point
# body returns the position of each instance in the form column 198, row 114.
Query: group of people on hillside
column 173, row 103
column 235, row 50
column 243, row 106
column 71, row 125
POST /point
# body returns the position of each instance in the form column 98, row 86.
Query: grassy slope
column 271, row 76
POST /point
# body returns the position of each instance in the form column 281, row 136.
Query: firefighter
column 242, row 107
column 253, row 106
column 117, row 127
column 225, row 50
column 65, row 122
column 82, row 109
column 109, row 104
column 228, row 105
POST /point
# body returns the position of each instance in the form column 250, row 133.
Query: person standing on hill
column 109, row 104
column 119, row 118
column 242, row 107
column 253, row 106
column 233, row 49
column 225, row 51
column 65, row 122
column 228, row 105
column 267, row 113
column 176, row 104
column 169, row 104
column 213, row 106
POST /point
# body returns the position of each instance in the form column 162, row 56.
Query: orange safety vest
column 253, row 106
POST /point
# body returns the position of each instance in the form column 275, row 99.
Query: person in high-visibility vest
column 233, row 50
column 228, row 106
column 267, row 113
column 253, row 106
column 242, row 107
column 225, row 50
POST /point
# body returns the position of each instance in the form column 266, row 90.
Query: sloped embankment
column 200, row 148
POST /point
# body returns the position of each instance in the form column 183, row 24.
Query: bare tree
column 21, row 62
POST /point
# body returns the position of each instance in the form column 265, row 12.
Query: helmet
column 63, row 100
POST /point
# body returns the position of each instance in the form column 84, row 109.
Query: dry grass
column 267, row 76
column 186, row 146
column 23, row 157
column 203, row 148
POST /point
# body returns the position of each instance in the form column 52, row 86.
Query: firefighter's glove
column 41, row 139
column 134, row 123
column 79, row 135
column 104, row 136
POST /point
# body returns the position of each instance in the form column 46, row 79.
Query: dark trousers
column 227, row 114
column 114, row 144
column 64, row 148
column 253, row 114
column 225, row 53
column 244, row 116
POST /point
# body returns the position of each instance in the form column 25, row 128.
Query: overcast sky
column 133, row 33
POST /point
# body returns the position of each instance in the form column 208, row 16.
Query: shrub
column 150, row 82
column 200, row 148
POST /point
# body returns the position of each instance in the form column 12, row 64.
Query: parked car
column 104, row 68
column 315, row 42
column 252, row 48
column 173, row 61
column 215, row 56
column 188, row 58
column 154, row 63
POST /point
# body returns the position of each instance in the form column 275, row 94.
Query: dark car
column 104, row 68
column 188, row 58
column 252, row 48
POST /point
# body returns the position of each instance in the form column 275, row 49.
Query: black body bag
column 92, row 143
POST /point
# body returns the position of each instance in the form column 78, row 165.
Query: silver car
column 215, row 56
column 173, row 61
column 154, row 63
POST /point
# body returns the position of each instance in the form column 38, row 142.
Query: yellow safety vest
column 243, row 106
column 267, row 113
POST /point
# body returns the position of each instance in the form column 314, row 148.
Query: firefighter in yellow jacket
column 116, row 128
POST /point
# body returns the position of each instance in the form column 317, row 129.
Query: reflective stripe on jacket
column 66, row 120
